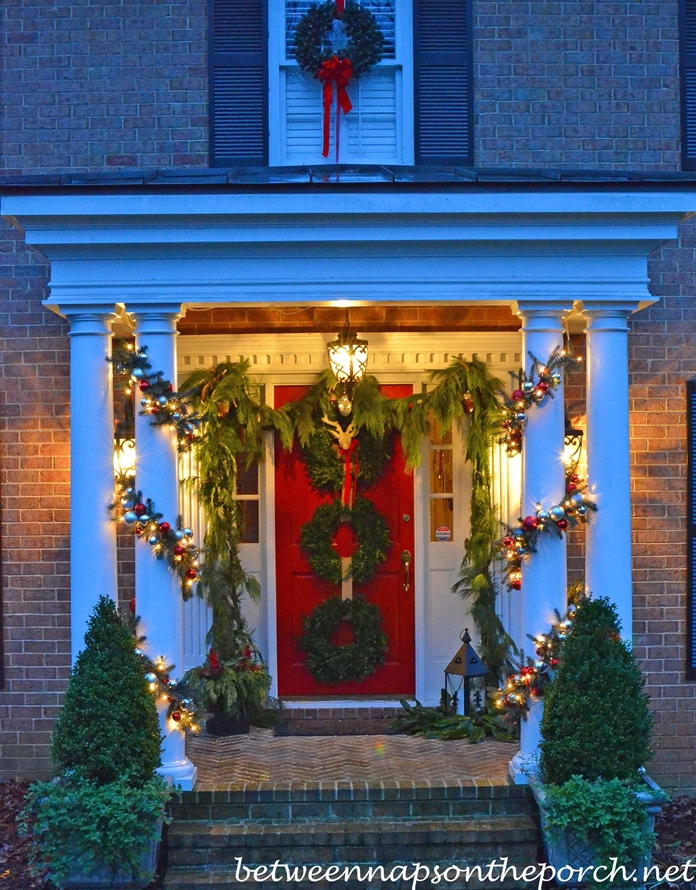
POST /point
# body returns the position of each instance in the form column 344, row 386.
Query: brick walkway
column 230, row 763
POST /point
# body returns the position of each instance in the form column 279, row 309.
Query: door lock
column 406, row 559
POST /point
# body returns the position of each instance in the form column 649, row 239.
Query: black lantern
column 465, row 665
column 348, row 360
column 572, row 443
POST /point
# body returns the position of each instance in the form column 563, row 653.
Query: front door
column 299, row 591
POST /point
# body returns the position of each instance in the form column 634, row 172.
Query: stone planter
column 123, row 880
column 569, row 850
column 224, row 724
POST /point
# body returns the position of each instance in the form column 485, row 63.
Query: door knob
column 406, row 559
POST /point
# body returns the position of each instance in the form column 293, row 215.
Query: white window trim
column 277, row 65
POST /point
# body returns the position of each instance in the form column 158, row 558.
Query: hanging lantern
column 572, row 450
column 465, row 665
column 348, row 360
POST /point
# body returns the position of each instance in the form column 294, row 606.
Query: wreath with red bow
column 316, row 54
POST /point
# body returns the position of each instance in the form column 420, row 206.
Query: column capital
column 89, row 318
column 155, row 318
column 543, row 315
column 603, row 315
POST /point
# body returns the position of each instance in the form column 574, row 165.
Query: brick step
column 338, row 721
column 346, row 800
column 226, row 877
column 218, row 843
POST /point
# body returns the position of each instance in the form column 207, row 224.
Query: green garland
column 371, row 530
column 365, row 39
column 333, row 664
column 326, row 469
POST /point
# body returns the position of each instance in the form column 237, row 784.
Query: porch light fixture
column 466, row 665
column 572, row 445
column 124, row 456
column 348, row 360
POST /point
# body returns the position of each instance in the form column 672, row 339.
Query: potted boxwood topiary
column 98, row 823
column 595, row 733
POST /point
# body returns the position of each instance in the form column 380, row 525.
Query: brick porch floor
column 260, row 758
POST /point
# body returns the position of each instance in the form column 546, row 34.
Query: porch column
column 543, row 482
column 608, row 553
column 157, row 589
column 92, row 534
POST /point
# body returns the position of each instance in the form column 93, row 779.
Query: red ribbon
column 350, row 481
column 340, row 6
column 338, row 71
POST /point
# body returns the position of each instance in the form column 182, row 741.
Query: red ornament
column 554, row 662
column 144, row 385
column 536, row 691
column 542, row 386
column 574, row 477
column 525, row 671
column 508, row 541
column 179, row 550
column 530, row 523
column 562, row 524
column 138, row 530
column 132, row 605
column 517, row 395
column 164, row 527
column 571, row 487
column 139, row 509
column 171, row 699
column 176, row 716
column 169, row 388
column 191, row 574
column 541, row 651
column 516, row 585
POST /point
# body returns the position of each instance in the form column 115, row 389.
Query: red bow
column 339, row 71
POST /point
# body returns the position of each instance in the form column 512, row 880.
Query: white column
column 608, row 553
column 544, row 573
column 157, row 589
column 92, row 534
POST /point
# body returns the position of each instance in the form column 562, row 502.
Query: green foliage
column 326, row 469
column 234, row 686
column 108, row 728
column 333, row 664
column 371, row 530
column 81, row 827
column 365, row 39
column 596, row 722
column 606, row 813
column 433, row 723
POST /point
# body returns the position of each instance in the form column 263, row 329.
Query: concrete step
column 338, row 721
column 194, row 844
column 298, row 801
column 394, row 876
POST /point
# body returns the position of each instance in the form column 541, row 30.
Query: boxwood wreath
column 370, row 528
column 329, row 663
column 365, row 39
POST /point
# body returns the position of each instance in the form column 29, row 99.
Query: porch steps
column 349, row 823
column 305, row 721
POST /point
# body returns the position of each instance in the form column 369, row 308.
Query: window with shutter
column 691, row 534
column 687, row 14
column 378, row 130
column 443, row 93
column 238, row 82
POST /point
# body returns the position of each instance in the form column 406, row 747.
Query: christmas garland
column 332, row 664
column 368, row 526
column 365, row 39
column 521, row 540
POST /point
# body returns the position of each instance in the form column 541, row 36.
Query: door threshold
column 362, row 702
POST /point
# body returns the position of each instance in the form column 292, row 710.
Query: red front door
column 298, row 591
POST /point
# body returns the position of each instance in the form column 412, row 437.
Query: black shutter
column 691, row 531
column 238, row 82
column 443, row 83
column 687, row 22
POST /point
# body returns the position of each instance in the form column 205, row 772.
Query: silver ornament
column 556, row 513
column 130, row 518
column 521, row 551
column 556, row 377
column 527, row 386
column 178, row 535
column 186, row 703
column 151, row 678
column 144, row 519
column 153, row 540
column 582, row 510
column 187, row 533
column 137, row 374
column 520, row 417
column 139, row 652
column 143, row 356
column 575, row 499
column 144, row 403
column 172, row 684
column 543, row 515
column 176, row 416
column 539, row 665
column 162, row 400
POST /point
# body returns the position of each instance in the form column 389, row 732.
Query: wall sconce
column 124, row 456
column 572, row 450
column 348, row 361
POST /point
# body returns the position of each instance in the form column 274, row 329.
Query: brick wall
column 103, row 85
column 662, row 357
column 34, row 485
column 576, row 83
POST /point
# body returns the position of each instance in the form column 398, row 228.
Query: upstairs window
column 414, row 106
column 687, row 23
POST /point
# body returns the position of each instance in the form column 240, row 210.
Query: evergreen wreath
column 371, row 530
column 365, row 39
column 333, row 664
column 326, row 468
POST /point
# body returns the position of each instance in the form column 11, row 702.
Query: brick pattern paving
column 260, row 758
